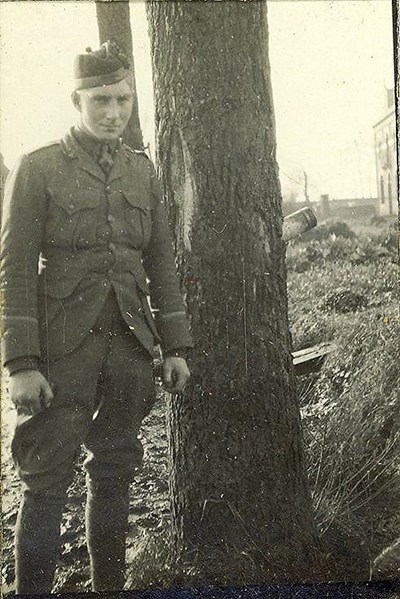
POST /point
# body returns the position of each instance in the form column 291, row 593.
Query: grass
column 369, row 288
column 351, row 411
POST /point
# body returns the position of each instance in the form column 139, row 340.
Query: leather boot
column 37, row 541
column 107, row 510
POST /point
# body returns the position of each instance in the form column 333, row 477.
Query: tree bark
column 240, row 500
column 3, row 177
column 113, row 19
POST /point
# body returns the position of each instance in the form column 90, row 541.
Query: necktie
column 105, row 158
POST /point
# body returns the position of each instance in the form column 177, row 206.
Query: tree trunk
column 240, row 499
column 113, row 21
column 3, row 177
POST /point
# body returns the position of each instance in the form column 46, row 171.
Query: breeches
column 102, row 391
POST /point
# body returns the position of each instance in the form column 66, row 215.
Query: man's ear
column 76, row 100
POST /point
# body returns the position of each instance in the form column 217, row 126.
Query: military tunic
column 91, row 233
column 81, row 252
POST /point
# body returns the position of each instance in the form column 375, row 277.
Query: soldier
column 85, row 240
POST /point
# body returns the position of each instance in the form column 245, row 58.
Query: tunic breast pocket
column 72, row 217
column 138, row 218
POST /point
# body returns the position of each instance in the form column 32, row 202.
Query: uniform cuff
column 24, row 363
column 173, row 329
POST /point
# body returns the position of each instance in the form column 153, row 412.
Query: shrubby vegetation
column 334, row 243
column 342, row 288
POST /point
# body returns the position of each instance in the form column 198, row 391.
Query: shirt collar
column 90, row 144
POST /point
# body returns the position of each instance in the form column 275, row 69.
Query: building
column 386, row 159
column 346, row 209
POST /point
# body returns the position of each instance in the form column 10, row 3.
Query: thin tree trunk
column 240, row 499
column 3, row 177
column 113, row 21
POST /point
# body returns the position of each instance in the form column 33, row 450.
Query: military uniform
column 94, row 233
column 82, row 248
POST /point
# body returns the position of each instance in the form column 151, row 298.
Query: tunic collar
column 74, row 149
column 90, row 144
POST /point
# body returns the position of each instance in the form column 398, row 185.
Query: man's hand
column 30, row 392
column 175, row 374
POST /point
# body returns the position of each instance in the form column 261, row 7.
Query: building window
column 390, row 97
column 387, row 158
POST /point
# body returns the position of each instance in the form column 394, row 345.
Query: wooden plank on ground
column 311, row 359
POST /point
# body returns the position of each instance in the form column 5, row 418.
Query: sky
column 330, row 63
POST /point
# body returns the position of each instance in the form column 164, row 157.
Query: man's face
column 105, row 110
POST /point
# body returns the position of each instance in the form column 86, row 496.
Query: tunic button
column 110, row 272
column 108, row 189
column 110, row 218
column 111, row 246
